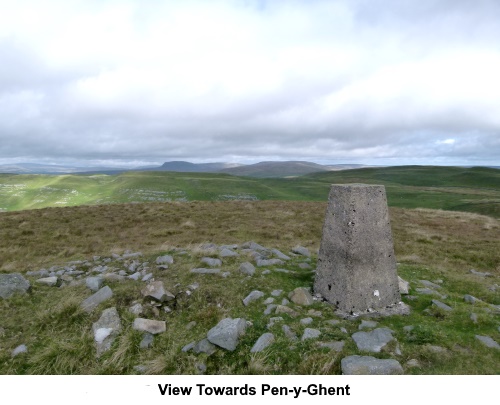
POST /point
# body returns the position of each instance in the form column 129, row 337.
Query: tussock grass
column 431, row 245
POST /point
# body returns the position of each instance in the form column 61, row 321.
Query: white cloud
column 202, row 80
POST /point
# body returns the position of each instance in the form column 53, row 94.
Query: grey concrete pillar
column 356, row 264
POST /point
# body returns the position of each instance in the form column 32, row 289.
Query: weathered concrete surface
column 356, row 264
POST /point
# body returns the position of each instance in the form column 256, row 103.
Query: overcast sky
column 336, row 81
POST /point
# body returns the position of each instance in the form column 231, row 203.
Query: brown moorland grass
column 429, row 245
column 28, row 239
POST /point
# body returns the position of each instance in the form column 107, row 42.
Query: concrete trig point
column 356, row 269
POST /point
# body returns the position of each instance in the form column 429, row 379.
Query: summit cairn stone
column 356, row 269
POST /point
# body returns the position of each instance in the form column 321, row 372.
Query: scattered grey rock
column 301, row 250
column 276, row 293
column 284, row 301
column 191, row 325
column 147, row 277
column 147, row 341
column 209, row 261
column 201, row 368
column 368, row 365
column 136, row 276
column 283, row 271
column 254, row 246
column 266, row 272
column 310, row 333
column 333, row 322
column 270, row 308
column 194, row 286
column 226, row 274
column 131, row 255
column 18, row 350
column 289, row 333
column 283, row 309
column 336, row 346
column 313, row 312
column 90, row 303
column 404, row 286
column 262, row 342
column 253, row 296
column 279, row 254
column 140, row 369
column 305, row 266
column 488, row 341
column 269, row 262
column 247, row 268
column 367, row 324
column 435, row 349
column 188, row 347
column 273, row 320
column 429, row 291
column 430, row 284
column 470, row 299
column 480, row 274
column 301, row 296
column 306, row 321
column 106, row 329
column 205, row 271
column 441, row 305
column 13, row 283
column 227, row 333
column 162, row 260
column 473, row 317
column 343, row 330
column 268, row 301
column 225, row 252
column 149, row 325
column 53, row 281
column 373, row 341
column 136, row 309
column 156, row 291
column 204, row 346
column 413, row 363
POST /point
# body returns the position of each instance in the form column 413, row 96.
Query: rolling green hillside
column 449, row 188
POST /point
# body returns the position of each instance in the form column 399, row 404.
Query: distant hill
column 188, row 167
column 36, row 168
column 276, row 169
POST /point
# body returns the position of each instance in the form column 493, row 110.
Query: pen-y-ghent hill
column 141, row 272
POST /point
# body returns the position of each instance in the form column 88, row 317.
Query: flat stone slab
column 310, row 333
column 149, row 325
column 14, row 283
column 92, row 302
column 247, row 268
column 167, row 259
column 53, row 281
column 301, row 250
column 262, row 342
column 373, row 341
column 106, row 329
column 253, row 296
column 94, row 283
column 156, row 291
column 205, row 271
column 301, row 296
column 227, row 333
column 225, row 252
column 441, row 305
column 488, row 341
column 368, row 365
column 19, row 350
column 430, row 284
column 336, row 346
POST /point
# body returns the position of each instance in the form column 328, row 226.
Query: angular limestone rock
column 149, row 325
column 356, row 268
column 94, row 300
column 368, row 365
column 301, row 296
column 157, row 291
column 373, row 341
column 262, row 342
column 106, row 329
column 14, row 283
column 227, row 333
